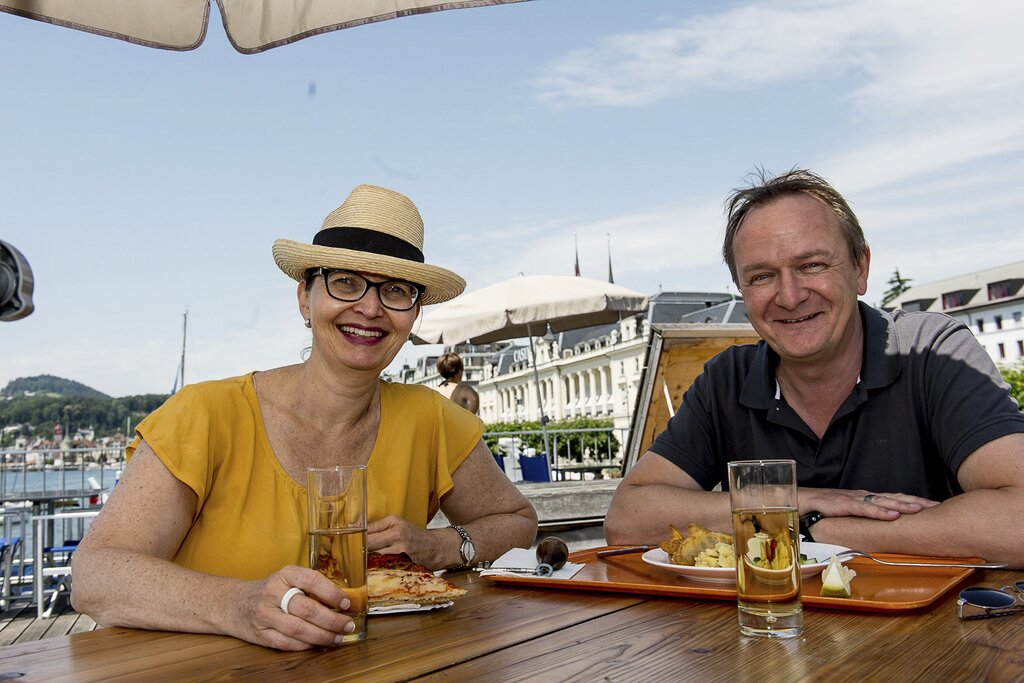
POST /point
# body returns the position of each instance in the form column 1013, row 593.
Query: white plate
column 820, row 552
column 400, row 609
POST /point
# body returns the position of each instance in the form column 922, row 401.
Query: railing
column 40, row 570
column 46, row 470
column 50, row 481
column 591, row 453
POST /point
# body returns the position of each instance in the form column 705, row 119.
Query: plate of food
column 708, row 556
column 396, row 584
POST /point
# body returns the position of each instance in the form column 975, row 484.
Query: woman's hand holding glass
column 312, row 619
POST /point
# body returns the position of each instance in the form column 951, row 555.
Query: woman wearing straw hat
column 206, row 531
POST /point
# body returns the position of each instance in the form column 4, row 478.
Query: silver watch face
column 468, row 551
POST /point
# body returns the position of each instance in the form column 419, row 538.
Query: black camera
column 15, row 284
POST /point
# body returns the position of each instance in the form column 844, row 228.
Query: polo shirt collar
column 880, row 367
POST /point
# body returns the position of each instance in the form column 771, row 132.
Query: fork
column 958, row 565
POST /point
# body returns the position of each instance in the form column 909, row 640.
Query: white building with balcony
column 990, row 302
column 593, row 372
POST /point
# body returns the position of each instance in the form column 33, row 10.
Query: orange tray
column 877, row 588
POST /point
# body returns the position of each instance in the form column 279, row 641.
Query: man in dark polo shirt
column 905, row 436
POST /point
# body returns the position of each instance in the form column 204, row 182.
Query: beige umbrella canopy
column 252, row 25
column 525, row 306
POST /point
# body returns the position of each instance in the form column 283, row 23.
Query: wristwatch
column 467, row 550
column 807, row 521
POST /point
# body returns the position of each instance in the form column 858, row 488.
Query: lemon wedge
column 835, row 580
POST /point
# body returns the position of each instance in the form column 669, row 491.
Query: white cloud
column 928, row 147
column 906, row 54
column 741, row 48
column 920, row 151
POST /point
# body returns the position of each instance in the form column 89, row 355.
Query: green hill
column 52, row 399
column 48, row 384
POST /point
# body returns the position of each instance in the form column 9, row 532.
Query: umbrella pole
column 540, row 402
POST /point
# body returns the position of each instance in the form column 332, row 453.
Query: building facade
column 593, row 372
column 990, row 302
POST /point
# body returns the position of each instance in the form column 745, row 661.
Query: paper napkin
column 526, row 558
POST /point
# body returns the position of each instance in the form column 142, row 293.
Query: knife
column 625, row 551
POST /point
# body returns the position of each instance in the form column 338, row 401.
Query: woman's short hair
column 449, row 365
column 765, row 189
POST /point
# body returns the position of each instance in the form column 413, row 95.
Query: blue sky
column 140, row 183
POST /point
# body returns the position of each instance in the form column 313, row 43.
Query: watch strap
column 807, row 521
column 466, row 561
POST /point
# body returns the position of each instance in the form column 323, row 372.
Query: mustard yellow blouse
column 251, row 516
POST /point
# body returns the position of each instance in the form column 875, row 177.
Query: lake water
column 18, row 481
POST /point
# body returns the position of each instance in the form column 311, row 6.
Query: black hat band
column 372, row 241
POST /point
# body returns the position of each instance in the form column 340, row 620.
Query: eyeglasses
column 344, row 285
column 977, row 602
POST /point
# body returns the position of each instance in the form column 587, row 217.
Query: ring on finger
column 287, row 598
column 868, row 498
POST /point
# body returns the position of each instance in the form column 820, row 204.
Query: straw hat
column 375, row 231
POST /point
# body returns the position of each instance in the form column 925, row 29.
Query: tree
column 598, row 443
column 1014, row 376
column 897, row 285
column 107, row 416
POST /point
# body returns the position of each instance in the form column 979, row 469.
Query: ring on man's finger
column 287, row 598
column 868, row 498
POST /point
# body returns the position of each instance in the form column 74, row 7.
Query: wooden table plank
column 398, row 646
column 666, row 639
column 520, row 633
column 659, row 641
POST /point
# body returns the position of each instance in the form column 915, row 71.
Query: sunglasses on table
column 978, row 602
column 344, row 285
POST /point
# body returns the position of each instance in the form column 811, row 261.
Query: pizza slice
column 397, row 580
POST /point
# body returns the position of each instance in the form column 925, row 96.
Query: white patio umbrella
column 521, row 306
column 251, row 25
column 524, row 307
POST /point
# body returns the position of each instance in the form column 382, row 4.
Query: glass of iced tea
column 336, row 499
column 765, row 525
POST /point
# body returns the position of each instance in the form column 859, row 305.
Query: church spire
column 576, row 244
column 611, row 278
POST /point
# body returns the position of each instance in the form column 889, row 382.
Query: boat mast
column 184, row 333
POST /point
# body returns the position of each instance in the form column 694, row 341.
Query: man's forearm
column 642, row 514
column 981, row 523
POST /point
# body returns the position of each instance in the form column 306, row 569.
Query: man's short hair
column 449, row 365
column 765, row 189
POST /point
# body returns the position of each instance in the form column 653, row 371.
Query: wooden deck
column 18, row 624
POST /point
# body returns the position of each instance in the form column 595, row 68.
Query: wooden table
column 511, row 633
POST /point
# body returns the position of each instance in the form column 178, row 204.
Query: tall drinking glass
column 336, row 499
column 765, row 524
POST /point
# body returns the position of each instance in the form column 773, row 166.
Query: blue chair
column 60, row 555
column 8, row 548
column 500, row 459
column 534, row 468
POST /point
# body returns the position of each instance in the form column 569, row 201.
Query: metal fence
column 32, row 471
column 52, row 482
column 592, row 453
